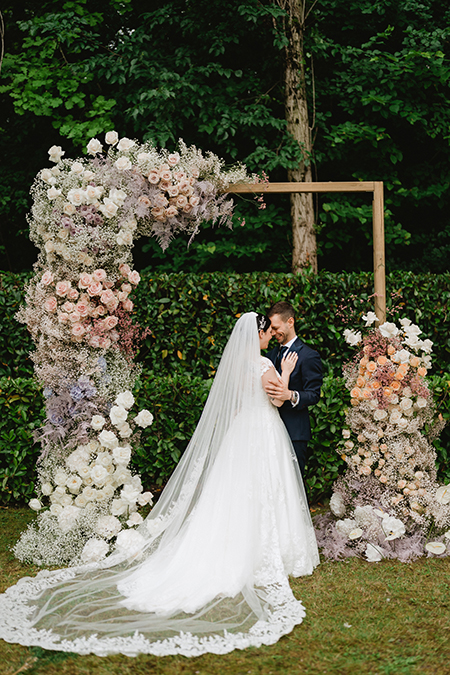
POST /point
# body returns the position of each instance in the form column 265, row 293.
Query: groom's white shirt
column 290, row 343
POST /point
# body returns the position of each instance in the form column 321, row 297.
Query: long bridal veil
column 211, row 573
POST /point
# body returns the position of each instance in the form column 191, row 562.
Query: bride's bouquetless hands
column 288, row 362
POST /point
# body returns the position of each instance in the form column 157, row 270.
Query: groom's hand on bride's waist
column 279, row 390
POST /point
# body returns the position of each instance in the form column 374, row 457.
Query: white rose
column 108, row 439
column 124, row 238
column 125, row 144
column 35, row 504
column 373, row 553
column 443, row 494
column 379, row 415
column 401, row 356
column 94, row 146
column 337, row 504
column 47, row 489
column 111, row 137
column 122, row 164
column 53, row 193
column 118, row 415
column 130, row 542
column 135, row 519
column 49, row 247
column 77, row 168
column 104, row 459
column 69, row 209
column 125, row 430
column 370, row 318
column 84, row 471
column 121, row 476
column 407, row 392
column 421, row 402
column 403, row 423
column 94, row 550
column 129, row 494
column 89, row 493
column 395, row 417
column 97, row 422
column 144, row 419
column 80, row 501
column 93, row 194
column 66, row 500
column 351, row 337
column 130, row 224
column 99, row 474
column 73, row 484
column 108, row 526
column 55, row 153
column 122, row 455
column 60, row 477
column 405, row 404
column 76, row 196
column 388, row 329
column 143, row 157
column 56, row 509
column 117, row 196
column 392, row 527
column 411, row 329
column 108, row 490
column 68, row 517
column 108, row 208
column 145, row 498
column 47, row 176
column 346, row 433
column 413, row 341
column 405, row 322
column 87, row 175
column 427, row 346
column 118, row 507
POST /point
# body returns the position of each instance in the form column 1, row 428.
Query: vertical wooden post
column 379, row 267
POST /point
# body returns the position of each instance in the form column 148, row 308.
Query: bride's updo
column 262, row 322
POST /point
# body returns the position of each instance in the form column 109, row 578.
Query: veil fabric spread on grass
column 211, row 574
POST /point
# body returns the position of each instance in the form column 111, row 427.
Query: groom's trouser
column 301, row 450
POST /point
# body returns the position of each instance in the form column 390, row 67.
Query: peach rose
column 422, row 371
column 383, row 447
column 181, row 201
column 134, row 277
column 82, row 308
column 194, row 200
column 371, row 366
column 381, row 360
column 383, row 479
column 171, row 212
column 109, row 322
column 403, row 368
column 365, row 470
column 355, row 392
column 173, row 191
column 95, row 289
column 107, row 296
column 85, row 280
column 126, row 288
column 166, row 176
column 124, row 270
column 51, row 304
column 187, row 208
column 354, row 401
column 99, row 275
column 391, row 350
column 376, row 384
column 387, row 392
column 361, row 381
column 364, row 361
column 62, row 288
column 414, row 361
column 395, row 385
column 399, row 376
column 366, row 394
column 173, row 159
column 101, row 311
column 143, row 199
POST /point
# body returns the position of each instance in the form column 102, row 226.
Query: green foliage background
column 191, row 316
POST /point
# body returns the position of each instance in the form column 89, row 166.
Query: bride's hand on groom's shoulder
column 288, row 362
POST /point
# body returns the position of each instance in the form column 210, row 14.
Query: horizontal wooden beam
column 332, row 186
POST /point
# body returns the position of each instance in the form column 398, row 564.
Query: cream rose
column 94, row 146
column 111, row 137
column 122, row 164
column 118, row 415
column 144, row 419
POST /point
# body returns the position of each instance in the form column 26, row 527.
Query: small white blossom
column 370, row 318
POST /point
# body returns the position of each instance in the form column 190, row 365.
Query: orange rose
column 364, row 361
column 361, row 381
column 422, row 371
column 395, row 386
column 399, row 376
column 387, row 392
column 376, row 384
column 354, row 401
column 391, row 350
column 414, row 361
column 355, row 392
column 366, row 349
column 381, row 360
column 403, row 368
column 371, row 366
column 366, row 394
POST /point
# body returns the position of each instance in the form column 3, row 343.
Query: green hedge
column 191, row 317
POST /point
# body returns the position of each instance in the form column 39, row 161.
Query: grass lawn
column 384, row 618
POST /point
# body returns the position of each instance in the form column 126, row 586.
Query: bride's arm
column 270, row 375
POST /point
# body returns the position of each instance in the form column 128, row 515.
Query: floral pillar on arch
column 85, row 218
column 388, row 503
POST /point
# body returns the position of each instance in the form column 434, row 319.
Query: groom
column 304, row 383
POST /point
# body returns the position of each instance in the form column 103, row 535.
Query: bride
column 228, row 529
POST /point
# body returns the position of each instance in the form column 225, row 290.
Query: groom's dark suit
column 306, row 378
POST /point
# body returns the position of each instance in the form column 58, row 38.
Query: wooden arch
column 376, row 188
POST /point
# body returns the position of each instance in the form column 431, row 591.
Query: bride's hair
column 262, row 322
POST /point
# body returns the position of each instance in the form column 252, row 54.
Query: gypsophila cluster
column 391, row 463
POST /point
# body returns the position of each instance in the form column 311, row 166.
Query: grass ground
column 384, row 618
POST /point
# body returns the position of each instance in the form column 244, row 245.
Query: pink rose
column 179, row 175
column 82, row 308
column 85, row 280
column 101, row 310
column 126, row 288
column 108, row 284
column 47, row 278
column 121, row 296
column 187, row 208
column 62, row 288
column 51, row 304
column 75, row 317
column 110, row 322
column 181, row 201
column 63, row 317
column 124, row 270
column 171, row 212
column 78, row 329
column 127, row 305
column 134, row 277
column 153, row 177
column 111, row 306
column 173, row 159
column 94, row 341
column 68, row 307
column 72, row 294
column 173, row 191
column 105, row 343
column 160, row 201
column 99, row 275
column 95, row 288
column 107, row 296
column 194, row 200
column 166, row 176
column 114, row 335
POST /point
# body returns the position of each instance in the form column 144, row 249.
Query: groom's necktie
column 281, row 352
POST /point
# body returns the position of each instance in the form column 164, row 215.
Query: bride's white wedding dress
column 229, row 528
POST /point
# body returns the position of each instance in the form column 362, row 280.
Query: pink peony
column 78, row 329
column 99, row 275
column 124, row 270
column 110, row 322
column 95, row 288
column 51, row 304
column 134, row 277
column 68, row 307
column 72, row 294
column 127, row 305
column 85, row 280
column 47, row 278
column 62, row 288
column 107, row 296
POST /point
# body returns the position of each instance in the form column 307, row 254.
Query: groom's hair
column 284, row 309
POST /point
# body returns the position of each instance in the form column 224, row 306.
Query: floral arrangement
column 388, row 503
column 86, row 215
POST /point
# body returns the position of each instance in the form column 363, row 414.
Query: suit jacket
column 306, row 378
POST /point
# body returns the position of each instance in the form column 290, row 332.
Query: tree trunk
column 304, row 253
